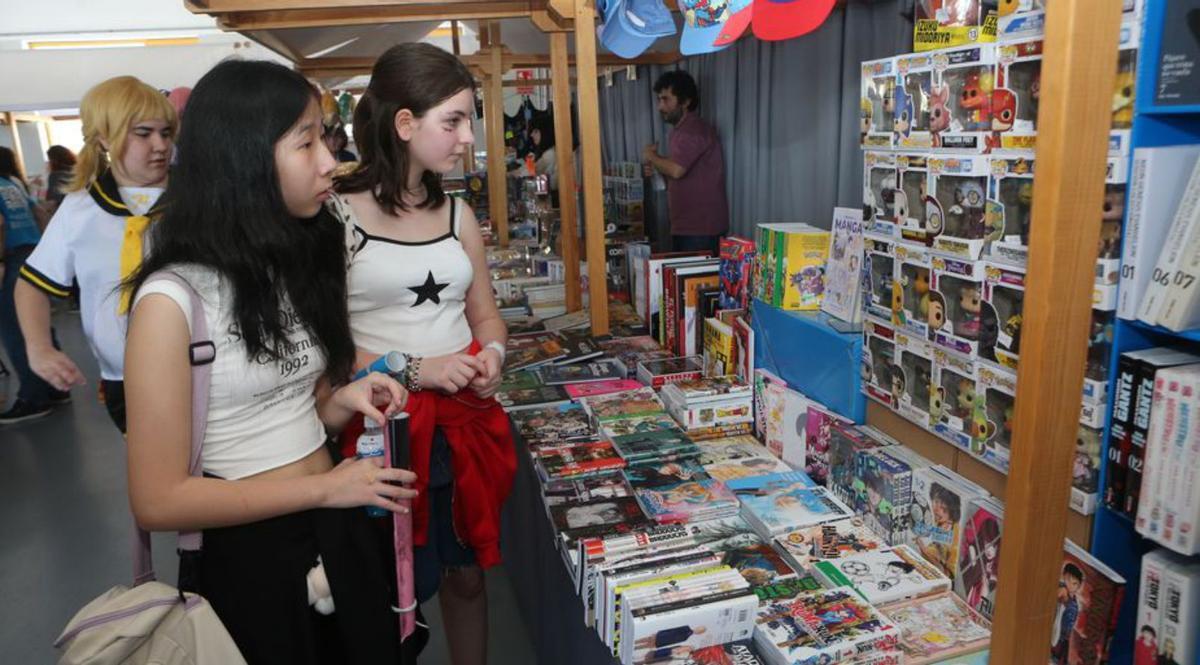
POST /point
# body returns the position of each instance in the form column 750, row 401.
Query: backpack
column 154, row 623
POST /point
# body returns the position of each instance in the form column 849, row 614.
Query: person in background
column 336, row 141
column 694, row 167
column 544, row 155
column 257, row 246
column 419, row 285
column 95, row 237
column 61, row 162
column 21, row 224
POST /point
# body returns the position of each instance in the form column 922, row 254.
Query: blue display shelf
column 1114, row 539
column 804, row 350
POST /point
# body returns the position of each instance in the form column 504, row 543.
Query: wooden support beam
column 493, row 103
column 589, row 134
column 455, row 41
column 334, row 66
column 274, row 19
column 560, row 74
column 549, row 23
column 1078, row 70
column 10, row 119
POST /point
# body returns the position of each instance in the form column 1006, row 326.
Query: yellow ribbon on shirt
column 131, row 255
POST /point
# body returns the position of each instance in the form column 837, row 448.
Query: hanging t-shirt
column 20, row 224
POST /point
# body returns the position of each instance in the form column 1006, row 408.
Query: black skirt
column 254, row 575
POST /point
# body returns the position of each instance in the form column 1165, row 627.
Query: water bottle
column 370, row 444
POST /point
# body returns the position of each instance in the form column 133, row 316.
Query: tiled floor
column 65, row 529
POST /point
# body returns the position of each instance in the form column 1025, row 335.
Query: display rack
column 1073, row 124
column 1114, row 539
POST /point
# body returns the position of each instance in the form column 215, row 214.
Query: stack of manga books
column 780, row 502
column 680, row 491
column 709, row 403
column 738, row 457
column 827, row 625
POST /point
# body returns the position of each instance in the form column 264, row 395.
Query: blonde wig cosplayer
column 107, row 112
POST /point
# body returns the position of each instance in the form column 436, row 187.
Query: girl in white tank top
column 418, row 279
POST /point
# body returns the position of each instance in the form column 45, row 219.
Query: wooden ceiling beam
column 241, row 21
column 483, row 61
column 227, row 6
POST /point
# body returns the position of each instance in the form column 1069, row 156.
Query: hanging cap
column 703, row 21
column 783, row 19
column 631, row 26
column 740, row 13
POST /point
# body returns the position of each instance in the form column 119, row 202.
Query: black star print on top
column 428, row 291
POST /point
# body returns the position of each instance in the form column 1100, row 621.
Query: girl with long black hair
column 244, row 225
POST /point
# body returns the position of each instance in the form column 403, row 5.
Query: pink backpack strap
column 202, row 352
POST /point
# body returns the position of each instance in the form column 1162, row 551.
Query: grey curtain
column 786, row 112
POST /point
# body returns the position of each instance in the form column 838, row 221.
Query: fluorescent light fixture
column 63, row 44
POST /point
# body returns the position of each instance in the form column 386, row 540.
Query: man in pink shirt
column 694, row 167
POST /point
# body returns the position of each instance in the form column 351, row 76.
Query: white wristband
column 498, row 348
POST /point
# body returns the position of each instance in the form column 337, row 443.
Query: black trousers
column 254, row 577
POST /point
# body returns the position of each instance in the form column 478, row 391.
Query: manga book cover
column 687, row 501
column 938, row 627
column 824, row 626
column 979, row 559
column 884, row 575
column 832, row 540
column 641, row 401
column 561, row 423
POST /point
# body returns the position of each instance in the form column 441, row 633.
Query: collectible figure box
column 1002, row 314
column 1123, row 89
column 991, row 429
column 1021, row 19
column 965, row 79
column 917, row 111
column 1017, row 94
column 956, row 305
column 913, row 279
column 913, row 175
column 1085, row 471
column 879, row 357
column 915, row 360
column 880, row 253
column 947, row 23
column 879, row 191
column 1108, row 253
column 1009, row 213
column 956, row 214
column 1095, row 374
column 952, row 397
column 878, row 103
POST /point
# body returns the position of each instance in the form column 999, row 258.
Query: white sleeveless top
column 407, row 296
column 262, row 414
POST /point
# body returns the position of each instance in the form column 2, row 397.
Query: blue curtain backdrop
column 786, row 112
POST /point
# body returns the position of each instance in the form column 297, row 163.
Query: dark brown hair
column 61, row 158
column 411, row 76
